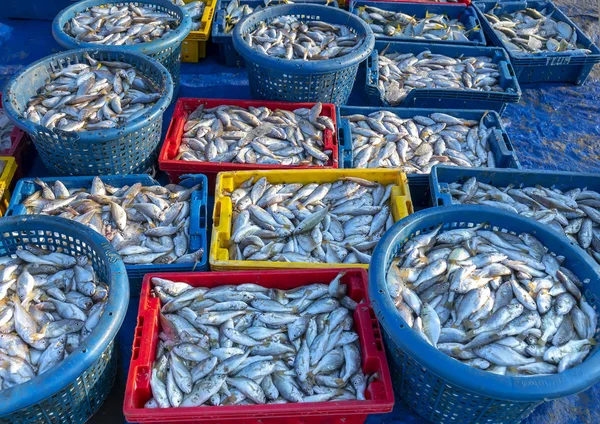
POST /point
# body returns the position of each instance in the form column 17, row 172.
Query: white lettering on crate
column 563, row 60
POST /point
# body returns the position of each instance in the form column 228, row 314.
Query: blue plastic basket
column 74, row 390
column 500, row 144
column 441, row 389
column 446, row 98
column 167, row 49
column 227, row 53
column 103, row 152
column 198, row 222
column 327, row 81
column 466, row 15
column 544, row 67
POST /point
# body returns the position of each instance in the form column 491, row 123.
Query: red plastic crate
column 380, row 396
column 19, row 149
column 176, row 168
column 460, row 2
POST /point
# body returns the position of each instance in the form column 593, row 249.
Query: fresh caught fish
column 195, row 9
column 530, row 31
column 384, row 140
column 472, row 292
column 338, row 222
column 92, row 95
column 254, row 357
column 399, row 73
column 257, row 135
column 120, row 25
column 145, row 224
column 6, row 128
column 46, row 313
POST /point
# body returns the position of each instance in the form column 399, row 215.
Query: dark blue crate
column 227, row 53
column 445, row 98
column 466, row 15
column 420, row 193
column 103, row 152
column 441, row 389
column 77, row 387
column 441, row 176
column 500, row 144
column 198, row 222
column 543, row 67
column 327, row 81
column 167, row 49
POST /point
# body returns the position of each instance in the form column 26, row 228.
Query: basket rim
column 71, row 368
column 152, row 47
column 297, row 66
column 97, row 136
column 516, row 389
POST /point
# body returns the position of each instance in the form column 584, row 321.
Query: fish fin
column 592, row 341
column 513, row 370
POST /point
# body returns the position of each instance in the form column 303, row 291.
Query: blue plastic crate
column 227, row 53
column 466, row 15
column 420, row 193
column 441, row 389
column 446, row 98
column 102, row 152
column 327, row 81
column 500, row 144
column 198, row 222
column 77, row 387
column 167, row 49
column 543, row 67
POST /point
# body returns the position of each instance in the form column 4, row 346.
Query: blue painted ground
column 555, row 128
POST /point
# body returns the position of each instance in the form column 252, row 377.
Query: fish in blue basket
column 384, row 140
column 49, row 303
column 145, row 224
column 195, row 9
column 339, row 222
column 397, row 24
column 256, row 135
column 530, row 31
column 399, row 73
column 493, row 300
column 92, row 96
column 121, row 25
column 248, row 345
column 6, row 128
column 287, row 37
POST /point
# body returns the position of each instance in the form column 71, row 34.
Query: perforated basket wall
column 78, row 386
column 124, row 150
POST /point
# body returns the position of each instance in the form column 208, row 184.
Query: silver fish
column 6, row 128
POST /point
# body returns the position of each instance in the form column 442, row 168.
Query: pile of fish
column 49, row 303
column 195, row 9
column 397, row 24
column 573, row 213
column 531, row 31
column 145, row 224
column 258, row 135
column 289, row 38
column 493, row 300
column 399, row 73
column 415, row 145
column 6, row 128
column 338, row 222
column 247, row 345
column 92, row 96
column 118, row 25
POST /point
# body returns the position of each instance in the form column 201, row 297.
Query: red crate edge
column 20, row 144
column 380, row 397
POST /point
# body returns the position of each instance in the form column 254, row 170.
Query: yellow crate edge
column 5, row 180
column 196, row 40
column 400, row 202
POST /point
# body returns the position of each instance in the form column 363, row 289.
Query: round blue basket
column 123, row 150
column 167, row 49
column 328, row 81
column 78, row 386
column 441, row 389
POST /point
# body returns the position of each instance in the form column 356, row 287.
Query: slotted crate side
column 193, row 47
column 20, row 148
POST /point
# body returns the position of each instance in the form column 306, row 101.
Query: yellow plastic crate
column 227, row 182
column 5, row 182
column 193, row 47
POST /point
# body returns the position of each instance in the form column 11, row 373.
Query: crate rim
column 89, row 137
column 514, row 389
column 71, row 368
column 152, row 47
column 298, row 67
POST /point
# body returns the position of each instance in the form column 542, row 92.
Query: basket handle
column 345, row 142
column 400, row 201
column 174, row 136
column 71, row 137
column 372, row 69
